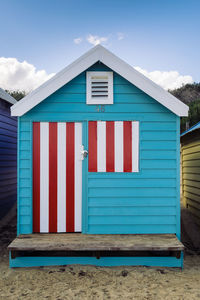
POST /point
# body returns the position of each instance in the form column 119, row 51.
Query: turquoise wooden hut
column 98, row 168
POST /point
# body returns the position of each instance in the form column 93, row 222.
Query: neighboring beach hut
column 99, row 148
column 190, row 154
column 8, row 154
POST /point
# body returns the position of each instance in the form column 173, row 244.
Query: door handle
column 84, row 153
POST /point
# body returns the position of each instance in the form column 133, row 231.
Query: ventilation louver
column 99, row 88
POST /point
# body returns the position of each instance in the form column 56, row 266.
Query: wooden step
column 77, row 244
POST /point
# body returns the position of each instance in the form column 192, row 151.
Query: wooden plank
column 95, row 242
column 192, row 170
column 191, row 163
column 191, row 183
column 194, row 211
column 192, row 196
column 192, row 190
column 194, row 204
column 192, row 156
column 195, row 177
column 191, row 145
column 97, row 254
column 124, row 182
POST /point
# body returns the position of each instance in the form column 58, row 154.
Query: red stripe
column 127, row 146
column 70, row 177
column 92, row 146
column 52, row 177
column 110, row 153
column 36, row 177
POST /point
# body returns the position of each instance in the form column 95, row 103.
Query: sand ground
column 89, row 282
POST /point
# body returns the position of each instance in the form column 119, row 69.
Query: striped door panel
column 57, row 177
column 113, row 146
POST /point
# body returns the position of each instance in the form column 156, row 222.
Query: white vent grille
column 99, row 87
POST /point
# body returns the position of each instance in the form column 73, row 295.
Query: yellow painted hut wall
column 190, row 158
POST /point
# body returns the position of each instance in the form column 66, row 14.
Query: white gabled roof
column 99, row 53
column 5, row 96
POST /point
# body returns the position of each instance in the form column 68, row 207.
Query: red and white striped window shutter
column 113, row 146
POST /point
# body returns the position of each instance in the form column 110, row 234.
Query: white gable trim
column 99, row 53
column 5, row 96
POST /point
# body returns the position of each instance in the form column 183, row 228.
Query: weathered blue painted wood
column 156, row 154
column 147, row 174
column 24, row 172
column 82, row 108
column 85, row 182
column 131, row 229
column 127, row 183
column 132, row 202
column 131, row 220
column 130, row 192
column 178, row 209
column 8, row 158
column 103, row 261
column 132, row 211
column 72, row 117
column 80, row 88
column 144, row 202
column 119, row 98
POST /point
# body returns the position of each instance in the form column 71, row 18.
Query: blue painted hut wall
column 144, row 202
column 8, row 158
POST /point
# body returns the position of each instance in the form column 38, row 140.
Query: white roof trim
column 99, row 53
column 5, row 96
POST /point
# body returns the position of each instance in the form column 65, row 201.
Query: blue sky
column 152, row 34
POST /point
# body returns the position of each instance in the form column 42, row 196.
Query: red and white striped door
column 57, row 177
column 113, row 146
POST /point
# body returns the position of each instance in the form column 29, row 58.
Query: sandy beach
column 89, row 282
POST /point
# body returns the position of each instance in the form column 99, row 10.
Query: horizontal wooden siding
column 143, row 202
column 8, row 158
column 190, row 151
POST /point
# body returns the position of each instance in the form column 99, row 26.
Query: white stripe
column 78, row 178
column 101, row 146
column 44, row 177
column 119, row 147
column 135, row 146
column 61, row 178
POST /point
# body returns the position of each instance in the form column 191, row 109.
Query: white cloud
column 120, row 36
column 15, row 75
column 96, row 40
column 167, row 79
column 78, row 40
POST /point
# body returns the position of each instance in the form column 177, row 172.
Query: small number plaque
column 100, row 108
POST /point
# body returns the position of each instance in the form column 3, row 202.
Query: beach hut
column 98, row 168
column 8, row 154
column 190, row 157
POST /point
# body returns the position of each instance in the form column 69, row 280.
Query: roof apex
column 99, row 53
